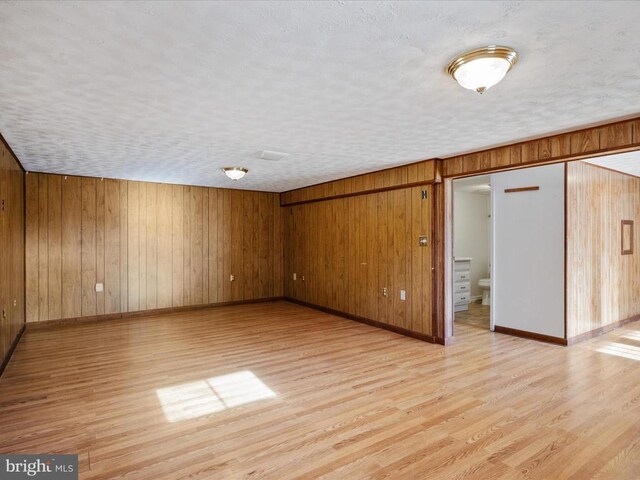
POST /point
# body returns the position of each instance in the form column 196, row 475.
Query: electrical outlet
column 385, row 292
column 302, row 278
column 403, row 295
column 99, row 287
column 232, row 278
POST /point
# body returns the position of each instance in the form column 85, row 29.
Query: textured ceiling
column 623, row 162
column 171, row 92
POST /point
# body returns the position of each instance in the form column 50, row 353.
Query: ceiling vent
column 271, row 156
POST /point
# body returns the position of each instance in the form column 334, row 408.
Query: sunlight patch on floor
column 633, row 335
column 204, row 397
column 621, row 350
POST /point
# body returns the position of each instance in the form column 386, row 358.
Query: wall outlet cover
column 99, row 287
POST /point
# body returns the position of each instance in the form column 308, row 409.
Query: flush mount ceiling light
column 235, row 173
column 482, row 68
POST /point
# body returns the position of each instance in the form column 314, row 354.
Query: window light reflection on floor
column 632, row 335
column 204, row 397
column 621, row 350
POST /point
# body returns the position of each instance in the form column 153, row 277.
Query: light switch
column 232, row 277
column 295, row 277
column 99, row 287
column 403, row 295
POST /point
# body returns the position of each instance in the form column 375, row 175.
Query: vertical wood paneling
column 32, row 232
column 100, row 244
column 222, row 286
column 378, row 244
column 421, row 172
column 196, row 272
column 164, row 242
column 151, row 245
column 124, row 246
column 275, row 262
column 12, row 258
column 602, row 284
column 235, row 245
column 349, row 249
column 204, row 222
column 112, row 247
column 177, row 245
column 133, row 246
column 88, row 248
column 212, row 229
column 187, row 205
column 263, row 240
column 142, row 245
column 71, row 234
column 54, row 228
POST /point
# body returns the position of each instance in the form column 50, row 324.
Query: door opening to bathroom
column 472, row 252
column 507, row 272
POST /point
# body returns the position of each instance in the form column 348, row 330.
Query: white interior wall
column 471, row 234
column 528, row 242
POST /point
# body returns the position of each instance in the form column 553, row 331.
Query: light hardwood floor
column 477, row 315
column 279, row 391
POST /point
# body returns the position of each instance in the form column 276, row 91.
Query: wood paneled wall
column 12, row 279
column 391, row 178
column 585, row 142
column 603, row 286
column 152, row 246
column 344, row 251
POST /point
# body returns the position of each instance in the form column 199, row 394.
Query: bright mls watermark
column 45, row 466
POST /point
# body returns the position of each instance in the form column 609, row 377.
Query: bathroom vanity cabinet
column 461, row 284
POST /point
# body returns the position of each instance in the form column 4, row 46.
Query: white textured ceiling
column 171, row 92
column 624, row 162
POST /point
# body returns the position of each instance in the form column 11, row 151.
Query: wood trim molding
column 588, row 142
column 530, row 335
column 14, row 344
column 521, row 189
column 362, row 192
column 142, row 313
column 373, row 323
column 602, row 330
column 629, row 250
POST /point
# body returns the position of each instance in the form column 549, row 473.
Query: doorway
column 507, row 262
column 472, row 251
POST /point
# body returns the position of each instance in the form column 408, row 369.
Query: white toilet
column 485, row 284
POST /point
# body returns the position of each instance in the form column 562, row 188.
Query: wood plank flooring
column 477, row 315
column 279, row 391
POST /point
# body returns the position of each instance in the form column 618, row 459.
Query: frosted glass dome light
column 481, row 69
column 235, row 173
